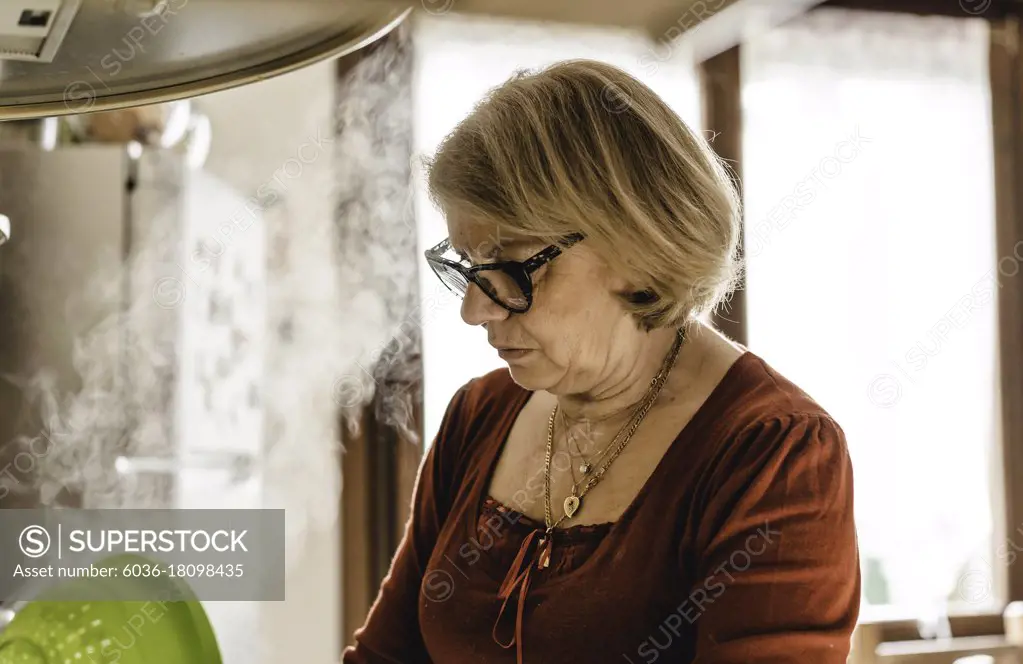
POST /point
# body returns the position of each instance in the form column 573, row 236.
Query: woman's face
column 575, row 330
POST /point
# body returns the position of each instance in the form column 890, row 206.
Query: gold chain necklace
column 573, row 502
column 587, row 463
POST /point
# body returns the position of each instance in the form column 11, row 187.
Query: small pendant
column 544, row 560
column 585, row 468
column 571, row 506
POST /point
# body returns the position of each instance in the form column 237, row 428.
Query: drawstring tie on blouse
column 517, row 579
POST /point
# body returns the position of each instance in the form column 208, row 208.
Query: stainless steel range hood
column 73, row 56
column 59, row 57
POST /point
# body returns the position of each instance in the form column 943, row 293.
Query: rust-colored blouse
column 740, row 548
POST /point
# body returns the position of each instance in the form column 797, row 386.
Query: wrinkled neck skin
column 632, row 365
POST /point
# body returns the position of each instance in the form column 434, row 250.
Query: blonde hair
column 582, row 146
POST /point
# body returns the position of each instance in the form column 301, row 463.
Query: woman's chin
column 528, row 377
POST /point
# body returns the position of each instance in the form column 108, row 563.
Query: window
column 873, row 276
column 458, row 61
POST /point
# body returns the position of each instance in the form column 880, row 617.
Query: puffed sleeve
column 391, row 633
column 779, row 575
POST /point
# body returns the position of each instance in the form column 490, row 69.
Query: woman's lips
column 509, row 354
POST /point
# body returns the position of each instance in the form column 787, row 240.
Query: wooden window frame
column 380, row 465
column 720, row 82
column 897, row 641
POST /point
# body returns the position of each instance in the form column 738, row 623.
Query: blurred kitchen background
column 219, row 301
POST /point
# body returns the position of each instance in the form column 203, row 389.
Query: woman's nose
column 478, row 309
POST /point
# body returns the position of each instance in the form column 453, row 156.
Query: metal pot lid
column 75, row 56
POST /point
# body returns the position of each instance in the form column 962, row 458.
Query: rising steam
column 211, row 339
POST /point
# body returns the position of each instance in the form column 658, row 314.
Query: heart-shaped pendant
column 571, row 506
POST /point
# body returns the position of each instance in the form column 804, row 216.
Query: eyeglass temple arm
column 551, row 252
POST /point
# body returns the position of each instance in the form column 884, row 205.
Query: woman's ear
column 645, row 296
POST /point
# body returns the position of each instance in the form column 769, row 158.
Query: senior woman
column 634, row 486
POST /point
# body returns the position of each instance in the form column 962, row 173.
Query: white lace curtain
column 833, row 43
column 872, row 275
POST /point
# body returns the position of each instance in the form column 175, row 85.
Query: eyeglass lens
column 497, row 284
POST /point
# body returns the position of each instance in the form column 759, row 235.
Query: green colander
column 52, row 630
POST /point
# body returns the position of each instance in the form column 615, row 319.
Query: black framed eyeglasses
column 507, row 283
